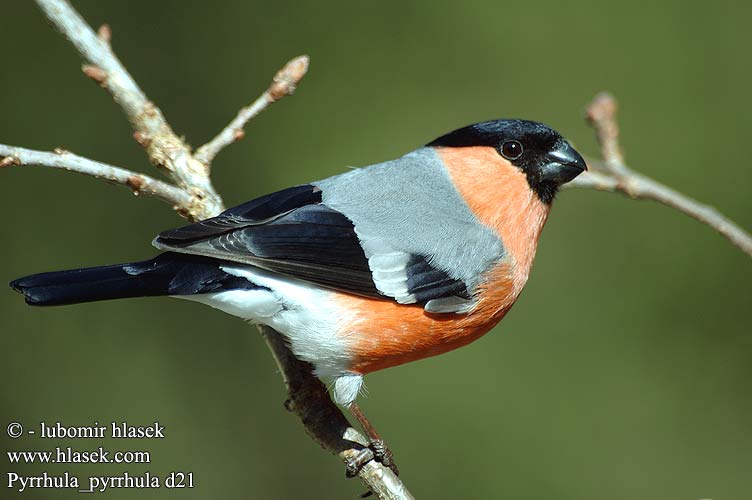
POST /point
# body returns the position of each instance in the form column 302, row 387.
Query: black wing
column 293, row 233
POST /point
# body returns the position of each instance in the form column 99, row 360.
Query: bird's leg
column 381, row 451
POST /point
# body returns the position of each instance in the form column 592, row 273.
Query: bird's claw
column 383, row 454
column 356, row 462
column 377, row 450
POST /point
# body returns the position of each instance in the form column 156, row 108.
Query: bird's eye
column 511, row 150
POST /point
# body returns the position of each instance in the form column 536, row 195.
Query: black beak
column 562, row 164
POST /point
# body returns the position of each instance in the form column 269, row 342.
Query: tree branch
column 615, row 176
column 308, row 397
column 164, row 148
column 283, row 83
column 138, row 183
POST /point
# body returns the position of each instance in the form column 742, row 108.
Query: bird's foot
column 354, row 464
column 383, row 454
column 377, row 450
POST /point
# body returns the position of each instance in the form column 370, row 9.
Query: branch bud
column 287, row 78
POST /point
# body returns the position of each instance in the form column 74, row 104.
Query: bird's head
column 541, row 153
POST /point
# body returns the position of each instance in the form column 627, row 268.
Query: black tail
column 167, row 274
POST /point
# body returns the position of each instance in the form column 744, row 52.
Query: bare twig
column 165, row 149
column 308, row 397
column 283, row 83
column 615, row 176
column 138, row 183
column 601, row 115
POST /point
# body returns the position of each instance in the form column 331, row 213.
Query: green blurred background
column 623, row 372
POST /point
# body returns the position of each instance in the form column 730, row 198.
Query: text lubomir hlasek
column 116, row 430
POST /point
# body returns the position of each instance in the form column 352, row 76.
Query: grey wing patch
column 449, row 305
column 410, row 279
column 389, row 274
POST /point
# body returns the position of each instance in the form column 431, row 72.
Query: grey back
column 410, row 206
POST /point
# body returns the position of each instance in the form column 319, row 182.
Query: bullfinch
column 369, row 269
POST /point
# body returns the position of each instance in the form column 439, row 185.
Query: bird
column 369, row 269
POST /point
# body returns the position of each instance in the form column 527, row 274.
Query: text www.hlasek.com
column 88, row 455
column 71, row 456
